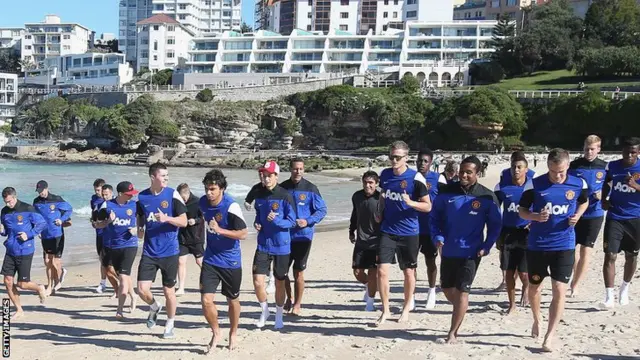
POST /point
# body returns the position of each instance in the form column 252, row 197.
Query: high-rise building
column 10, row 38
column 54, row 38
column 198, row 16
column 8, row 97
column 355, row 16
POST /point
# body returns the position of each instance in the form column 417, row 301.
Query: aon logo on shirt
column 624, row 188
column 557, row 209
column 513, row 207
column 122, row 222
column 151, row 217
column 393, row 196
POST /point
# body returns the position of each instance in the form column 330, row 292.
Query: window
column 144, row 54
column 145, row 41
column 27, row 37
column 182, row 17
column 207, row 2
column 156, row 27
column 182, row 6
column 171, row 54
column 66, row 47
column 385, row 27
column 27, row 47
column 344, row 15
column 155, row 45
column 395, row 2
column 171, row 41
column 344, row 27
column 171, row 28
column 411, row 2
column 385, row 14
column 386, row 2
column 310, row 2
column 155, row 57
column 411, row 14
column 308, row 27
column 511, row 2
column 66, row 37
column 344, row 2
column 309, row 15
column 395, row 14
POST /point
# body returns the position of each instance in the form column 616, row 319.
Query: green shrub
column 205, row 96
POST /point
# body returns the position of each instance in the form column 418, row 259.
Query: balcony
column 423, row 57
column 347, row 44
column 273, row 45
column 238, row 45
column 266, row 68
column 384, row 57
column 386, row 45
column 433, row 44
column 308, row 44
column 460, row 32
column 459, row 44
column 242, row 57
column 203, row 57
column 270, row 57
column 345, row 57
column 433, row 31
column 234, row 69
column 208, row 45
column 307, row 56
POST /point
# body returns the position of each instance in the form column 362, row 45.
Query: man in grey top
column 364, row 232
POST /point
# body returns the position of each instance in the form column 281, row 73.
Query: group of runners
column 536, row 221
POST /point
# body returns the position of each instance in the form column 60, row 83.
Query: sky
column 98, row 15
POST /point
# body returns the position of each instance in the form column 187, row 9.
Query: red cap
column 126, row 188
column 270, row 167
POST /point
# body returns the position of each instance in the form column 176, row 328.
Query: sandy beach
column 76, row 323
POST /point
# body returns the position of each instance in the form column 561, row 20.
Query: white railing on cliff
column 279, row 80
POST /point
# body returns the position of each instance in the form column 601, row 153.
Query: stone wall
column 106, row 99
column 25, row 149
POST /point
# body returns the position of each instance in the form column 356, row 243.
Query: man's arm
column 237, row 227
column 179, row 217
column 435, row 220
column 421, row 193
column 494, row 226
column 606, row 187
column 38, row 224
column 288, row 219
column 583, row 204
column 353, row 221
column 65, row 210
column 318, row 207
column 525, row 203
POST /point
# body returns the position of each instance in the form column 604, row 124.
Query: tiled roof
column 158, row 19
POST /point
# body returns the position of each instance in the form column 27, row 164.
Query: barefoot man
column 553, row 202
column 592, row 170
column 191, row 237
column 275, row 216
column 461, row 212
column 364, row 233
column 622, row 228
column 310, row 210
column 95, row 203
column 404, row 194
column 161, row 212
column 222, row 259
column 20, row 223
column 513, row 257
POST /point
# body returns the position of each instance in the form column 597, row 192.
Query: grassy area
column 565, row 79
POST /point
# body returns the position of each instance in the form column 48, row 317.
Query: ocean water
column 74, row 182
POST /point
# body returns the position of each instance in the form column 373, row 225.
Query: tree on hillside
column 612, row 23
column 163, row 77
column 502, row 41
column 9, row 61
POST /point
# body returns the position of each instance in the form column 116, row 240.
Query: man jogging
column 191, row 237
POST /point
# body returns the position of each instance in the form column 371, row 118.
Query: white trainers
column 623, row 298
column 271, row 286
column 431, row 299
column 370, row 304
column 412, row 303
column 101, row 288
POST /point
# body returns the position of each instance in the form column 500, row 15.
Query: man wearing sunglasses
column 404, row 195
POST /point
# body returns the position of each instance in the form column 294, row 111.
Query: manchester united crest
column 403, row 184
column 129, row 212
column 275, row 206
column 218, row 217
column 599, row 175
column 428, row 186
column 475, row 204
column 20, row 218
column 636, row 176
column 52, row 207
column 302, row 197
column 164, row 204
column 570, row 194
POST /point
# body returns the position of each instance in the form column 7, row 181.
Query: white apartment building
column 355, row 16
column 54, row 38
column 163, row 43
column 90, row 69
column 438, row 52
column 8, row 97
column 10, row 38
column 198, row 16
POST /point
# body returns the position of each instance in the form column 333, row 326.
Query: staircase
column 142, row 159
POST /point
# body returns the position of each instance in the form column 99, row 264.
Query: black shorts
column 196, row 249
column 458, row 273
column 19, row 264
column 622, row 235
column 557, row 264
column 299, row 255
column 99, row 244
column 514, row 259
column 122, row 259
column 587, row 231
column 168, row 266
column 513, row 245
column 105, row 257
column 427, row 247
column 211, row 276
column 364, row 258
column 54, row 246
column 405, row 248
column 262, row 264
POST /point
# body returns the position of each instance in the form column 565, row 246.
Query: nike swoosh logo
column 508, row 196
column 544, row 194
column 452, row 200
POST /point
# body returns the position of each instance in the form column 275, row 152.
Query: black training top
column 363, row 222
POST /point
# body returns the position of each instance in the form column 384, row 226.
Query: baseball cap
column 270, row 167
column 41, row 186
column 126, row 188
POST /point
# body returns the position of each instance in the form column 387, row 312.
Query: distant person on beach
column 434, row 181
column 105, row 252
column 460, row 214
column 191, row 238
column 404, row 194
column 310, row 210
column 120, row 226
column 95, row 203
column 162, row 212
column 364, row 233
column 275, row 217
column 592, row 170
column 225, row 227
column 512, row 242
column 621, row 198
column 450, row 172
column 20, row 223
column 55, row 212
column 553, row 202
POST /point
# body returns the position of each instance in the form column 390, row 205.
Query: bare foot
column 535, row 330
column 287, row 305
column 404, row 317
column 573, row 292
column 115, row 295
column 296, row 310
column 119, row 314
column 524, row 301
column 382, row 319
column 42, row 293
column 213, row 344
column 233, row 343
column 134, row 301
column 451, row 339
column 546, row 345
column 17, row 315
column 512, row 309
column 48, row 290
